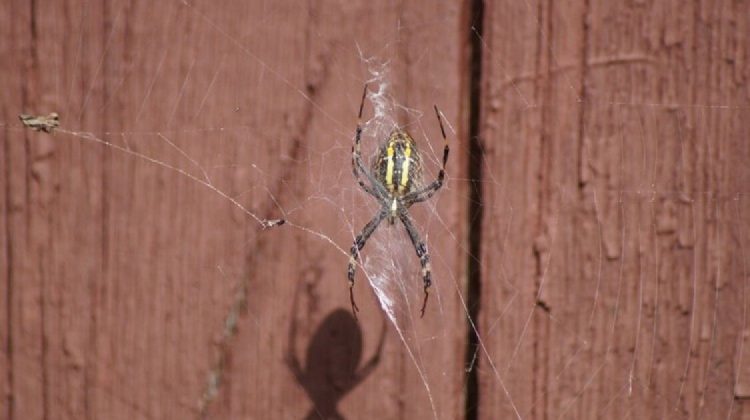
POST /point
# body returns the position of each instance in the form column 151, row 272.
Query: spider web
column 195, row 136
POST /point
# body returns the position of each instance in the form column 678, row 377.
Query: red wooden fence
column 590, row 248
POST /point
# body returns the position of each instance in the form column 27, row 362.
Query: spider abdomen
column 398, row 165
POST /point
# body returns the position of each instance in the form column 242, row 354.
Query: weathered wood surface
column 615, row 250
column 615, row 237
column 119, row 274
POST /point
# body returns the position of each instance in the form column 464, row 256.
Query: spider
column 396, row 184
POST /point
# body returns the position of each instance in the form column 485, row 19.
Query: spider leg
column 428, row 191
column 374, row 189
column 424, row 257
column 359, row 243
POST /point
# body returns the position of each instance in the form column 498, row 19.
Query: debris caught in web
column 41, row 122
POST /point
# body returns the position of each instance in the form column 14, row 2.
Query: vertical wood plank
column 627, row 292
column 516, row 71
column 126, row 264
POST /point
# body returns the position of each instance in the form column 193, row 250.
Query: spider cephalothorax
column 396, row 182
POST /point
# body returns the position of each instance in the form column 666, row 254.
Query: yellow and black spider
column 395, row 181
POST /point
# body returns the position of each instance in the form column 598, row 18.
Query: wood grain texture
column 620, row 288
column 122, row 271
column 615, row 242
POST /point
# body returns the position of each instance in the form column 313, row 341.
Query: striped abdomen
column 397, row 165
